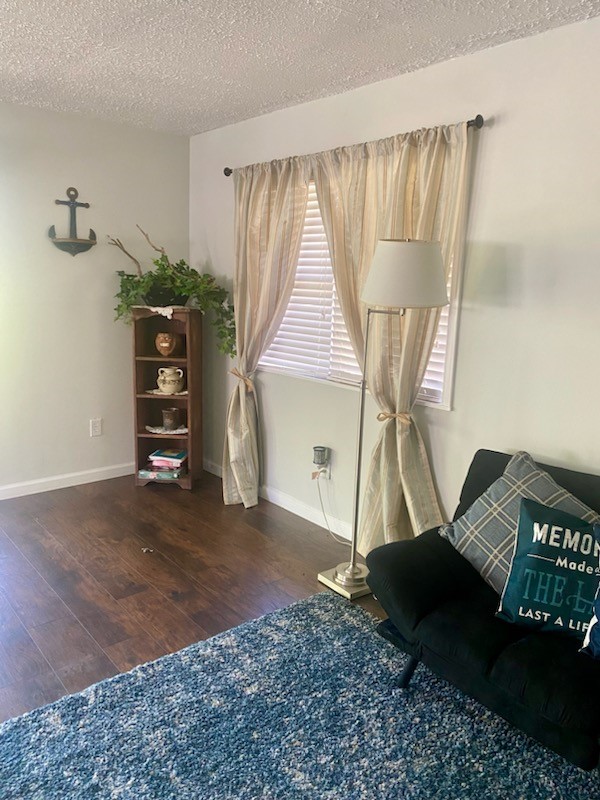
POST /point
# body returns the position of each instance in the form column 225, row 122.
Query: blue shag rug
column 300, row 704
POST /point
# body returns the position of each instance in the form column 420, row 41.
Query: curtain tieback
column 404, row 419
column 245, row 378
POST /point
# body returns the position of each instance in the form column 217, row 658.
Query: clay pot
column 170, row 380
column 170, row 418
column 167, row 343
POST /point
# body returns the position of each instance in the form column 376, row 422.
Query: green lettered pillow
column 485, row 534
column 554, row 573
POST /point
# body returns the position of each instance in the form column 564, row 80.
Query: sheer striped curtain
column 408, row 186
column 270, row 206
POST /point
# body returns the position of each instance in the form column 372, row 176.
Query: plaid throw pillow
column 485, row 534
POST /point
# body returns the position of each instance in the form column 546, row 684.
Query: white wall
column 64, row 359
column 526, row 375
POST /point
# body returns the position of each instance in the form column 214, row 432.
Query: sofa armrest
column 411, row 578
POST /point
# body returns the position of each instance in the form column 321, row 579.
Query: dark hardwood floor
column 95, row 579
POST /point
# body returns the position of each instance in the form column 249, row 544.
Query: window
column 313, row 340
column 437, row 379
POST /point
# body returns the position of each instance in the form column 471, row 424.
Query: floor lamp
column 405, row 273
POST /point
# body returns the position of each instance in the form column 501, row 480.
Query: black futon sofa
column 441, row 612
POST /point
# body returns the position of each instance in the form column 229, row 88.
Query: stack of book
column 166, row 464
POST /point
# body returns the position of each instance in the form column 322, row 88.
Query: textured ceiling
column 192, row 65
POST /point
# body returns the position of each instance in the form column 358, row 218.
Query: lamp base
column 349, row 581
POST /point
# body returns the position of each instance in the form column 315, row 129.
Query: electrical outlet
column 321, row 472
column 96, row 427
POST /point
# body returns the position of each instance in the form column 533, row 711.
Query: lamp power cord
column 333, row 535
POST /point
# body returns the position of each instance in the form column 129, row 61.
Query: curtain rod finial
column 227, row 172
column 476, row 123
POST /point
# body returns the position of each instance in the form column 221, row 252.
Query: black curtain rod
column 476, row 122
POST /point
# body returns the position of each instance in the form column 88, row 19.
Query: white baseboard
column 63, row 481
column 213, row 467
column 338, row 526
column 315, row 515
column 275, row 496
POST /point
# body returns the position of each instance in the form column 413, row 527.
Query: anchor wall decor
column 72, row 244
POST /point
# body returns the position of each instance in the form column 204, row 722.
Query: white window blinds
column 432, row 387
column 313, row 340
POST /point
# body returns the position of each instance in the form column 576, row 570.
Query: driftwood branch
column 158, row 249
column 118, row 243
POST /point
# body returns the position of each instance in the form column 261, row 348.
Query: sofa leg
column 408, row 672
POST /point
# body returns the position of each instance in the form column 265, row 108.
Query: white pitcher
column 170, row 380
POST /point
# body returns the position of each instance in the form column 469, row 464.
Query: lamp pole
column 350, row 578
column 405, row 273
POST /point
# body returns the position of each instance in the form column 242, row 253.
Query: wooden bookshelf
column 187, row 322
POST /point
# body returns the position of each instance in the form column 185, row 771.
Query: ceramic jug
column 170, row 380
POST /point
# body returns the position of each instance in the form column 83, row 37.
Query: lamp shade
column 406, row 274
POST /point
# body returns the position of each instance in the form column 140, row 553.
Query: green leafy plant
column 174, row 284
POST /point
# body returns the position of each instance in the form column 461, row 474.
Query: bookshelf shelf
column 162, row 359
column 163, row 397
column 187, row 322
column 163, row 436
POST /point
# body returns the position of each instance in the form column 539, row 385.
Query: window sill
column 430, row 404
column 354, row 387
